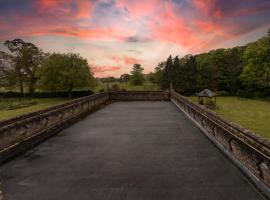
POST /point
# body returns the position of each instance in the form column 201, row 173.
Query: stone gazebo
column 208, row 94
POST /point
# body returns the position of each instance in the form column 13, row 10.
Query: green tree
column 256, row 72
column 167, row 73
column 26, row 59
column 124, row 78
column 65, row 72
column 158, row 74
column 137, row 77
column 186, row 75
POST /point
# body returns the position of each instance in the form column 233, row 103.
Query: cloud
column 120, row 33
column 102, row 70
column 137, row 9
column 126, row 60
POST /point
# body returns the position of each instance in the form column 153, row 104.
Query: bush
column 244, row 93
column 223, row 93
column 115, row 87
column 62, row 94
column 258, row 94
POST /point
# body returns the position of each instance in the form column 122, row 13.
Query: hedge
column 62, row 94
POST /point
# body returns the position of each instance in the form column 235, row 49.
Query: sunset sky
column 115, row 34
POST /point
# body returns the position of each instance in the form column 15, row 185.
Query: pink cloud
column 210, row 28
column 139, row 8
column 127, row 60
column 171, row 27
column 84, row 9
column 205, row 6
column 102, row 70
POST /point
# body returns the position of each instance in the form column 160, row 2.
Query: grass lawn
column 250, row 113
column 40, row 104
column 146, row 86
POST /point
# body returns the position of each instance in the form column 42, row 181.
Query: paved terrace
column 127, row 151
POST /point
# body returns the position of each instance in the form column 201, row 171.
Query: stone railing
column 250, row 152
column 22, row 132
column 140, row 96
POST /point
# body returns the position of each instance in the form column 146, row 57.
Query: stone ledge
column 248, row 153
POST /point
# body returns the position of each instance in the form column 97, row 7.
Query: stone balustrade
column 22, row 132
column 140, row 96
column 249, row 151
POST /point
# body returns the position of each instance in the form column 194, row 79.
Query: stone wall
column 251, row 152
column 140, row 96
column 21, row 133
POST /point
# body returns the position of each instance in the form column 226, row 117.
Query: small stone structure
column 249, row 151
column 206, row 93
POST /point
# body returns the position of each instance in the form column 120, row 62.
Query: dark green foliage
column 158, row 74
column 256, row 73
column 65, row 72
column 25, row 59
column 186, row 76
column 124, row 78
column 115, row 87
column 167, row 73
column 242, row 71
column 109, row 79
column 137, row 77
column 62, row 94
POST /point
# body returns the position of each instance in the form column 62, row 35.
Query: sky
column 115, row 34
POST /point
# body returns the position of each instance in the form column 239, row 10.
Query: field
column 129, row 87
column 38, row 105
column 250, row 113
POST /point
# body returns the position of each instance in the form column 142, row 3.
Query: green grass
column 16, row 103
column 127, row 86
column 250, row 113
column 40, row 104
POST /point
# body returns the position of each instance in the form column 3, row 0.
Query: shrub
column 244, row 93
column 115, row 87
column 63, row 94
column 223, row 93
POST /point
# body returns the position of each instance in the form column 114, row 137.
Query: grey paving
column 127, row 151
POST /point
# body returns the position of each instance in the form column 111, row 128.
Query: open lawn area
column 34, row 105
column 250, row 113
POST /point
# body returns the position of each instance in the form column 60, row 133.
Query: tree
column 26, row 59
column 65, row 72
column 167, row 73
column 158, row 74
column 256, row 72
column 137, row 77
column 124, row 78
column 186, row 75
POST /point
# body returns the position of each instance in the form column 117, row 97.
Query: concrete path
column 127, row 151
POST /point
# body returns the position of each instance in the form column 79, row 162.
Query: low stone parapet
column 139, row 96
column 248, row 150
column 20, row 133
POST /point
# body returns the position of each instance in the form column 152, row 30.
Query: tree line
column 242, row 71
column 136, row 76
column 27, row 67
